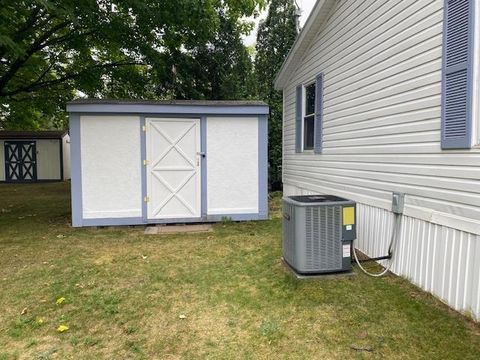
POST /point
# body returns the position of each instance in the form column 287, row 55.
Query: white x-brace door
column 173, row 168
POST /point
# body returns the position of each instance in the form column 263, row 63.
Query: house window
column 309, row 117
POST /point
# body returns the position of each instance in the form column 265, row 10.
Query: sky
column 306, row 7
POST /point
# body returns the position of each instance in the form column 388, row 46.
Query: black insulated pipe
column 385, row 257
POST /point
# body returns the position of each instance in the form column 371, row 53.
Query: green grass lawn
column 217, row 295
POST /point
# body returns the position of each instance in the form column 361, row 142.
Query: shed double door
column 173, row 168
column 20, row 161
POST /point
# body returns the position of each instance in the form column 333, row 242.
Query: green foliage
column 39, row 110
column 220, row 69
column 53, row 50
column 276, row 35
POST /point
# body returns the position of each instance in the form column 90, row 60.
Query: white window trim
column 304, row 98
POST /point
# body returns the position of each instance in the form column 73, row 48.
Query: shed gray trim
column 140, row 221
column 143, row 157
column 212, row 218
column 114, row 221
column 262, row 165
column 169, row 108
column 169, row 102
column 172, row 115
column 203, row 168
column 457, row 76
column 76, row 170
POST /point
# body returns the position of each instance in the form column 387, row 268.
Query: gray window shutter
column 457, row 82
column 318, row 139
column 298, row 120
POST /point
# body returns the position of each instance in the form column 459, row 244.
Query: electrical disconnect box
column 398, row 202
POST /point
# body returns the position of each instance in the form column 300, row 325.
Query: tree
column 220, row 69
column 52, row 49
column 276, row 35
column 227, row 63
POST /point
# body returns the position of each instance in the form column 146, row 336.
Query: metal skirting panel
column 374, row 230
column 439, row 259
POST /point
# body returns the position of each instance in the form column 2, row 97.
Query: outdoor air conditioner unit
column 318, row 231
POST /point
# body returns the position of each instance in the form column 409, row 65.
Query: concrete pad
column 176, row 229
column 338, row 275
column 150, row 230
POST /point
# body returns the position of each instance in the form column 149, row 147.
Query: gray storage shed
column 140, row 162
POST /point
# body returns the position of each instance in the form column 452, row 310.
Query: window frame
column 311, row 115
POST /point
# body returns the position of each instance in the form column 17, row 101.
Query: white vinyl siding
column 382, row 63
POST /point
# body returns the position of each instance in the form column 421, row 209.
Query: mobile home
column 382, row 97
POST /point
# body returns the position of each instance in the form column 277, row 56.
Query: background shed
column 33, row 156
column 138, row 162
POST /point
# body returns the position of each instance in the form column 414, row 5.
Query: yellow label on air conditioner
column 348, row 215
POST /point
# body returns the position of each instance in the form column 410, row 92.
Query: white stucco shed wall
column 110, row 153
column 232, row 165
